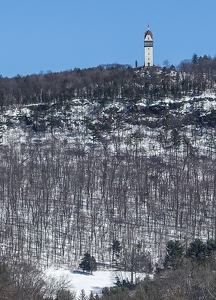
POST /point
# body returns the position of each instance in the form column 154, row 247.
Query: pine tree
column 88, row 263
column 210, row 247
column 175, row 252
column 116, row 247
column 194, row 59
column 197, row 249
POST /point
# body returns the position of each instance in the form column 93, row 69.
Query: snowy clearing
column 77, row 280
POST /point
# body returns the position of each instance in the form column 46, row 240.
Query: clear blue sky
column 56, row 35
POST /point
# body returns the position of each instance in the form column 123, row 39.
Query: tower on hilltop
column 148, row 45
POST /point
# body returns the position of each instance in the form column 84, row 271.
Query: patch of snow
column 77, row 280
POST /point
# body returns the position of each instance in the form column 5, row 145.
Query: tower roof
column 148, row 32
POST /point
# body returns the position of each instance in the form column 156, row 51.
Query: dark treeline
column 110, row 82
column 94, row 83
column 193, row 280
column 199, row 65
column 189, row 274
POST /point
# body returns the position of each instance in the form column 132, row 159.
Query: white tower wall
column 148, row 56
column 148, row 45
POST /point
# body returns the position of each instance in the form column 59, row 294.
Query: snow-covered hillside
column 76, row 177
column 81, row 120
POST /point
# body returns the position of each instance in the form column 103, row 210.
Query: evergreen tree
column 88, row 263
column 194, row 59
column 197, row 249
column 176, row 138
column 175, row 252
column 116, row 247
column 210, row 247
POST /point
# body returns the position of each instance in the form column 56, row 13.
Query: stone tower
column 148, row 45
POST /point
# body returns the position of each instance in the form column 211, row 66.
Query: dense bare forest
column 59, row 200
column 89, row 157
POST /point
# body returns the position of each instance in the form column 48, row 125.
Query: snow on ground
column 77, row 280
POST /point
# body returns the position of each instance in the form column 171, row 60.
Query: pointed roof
column 148, row 32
